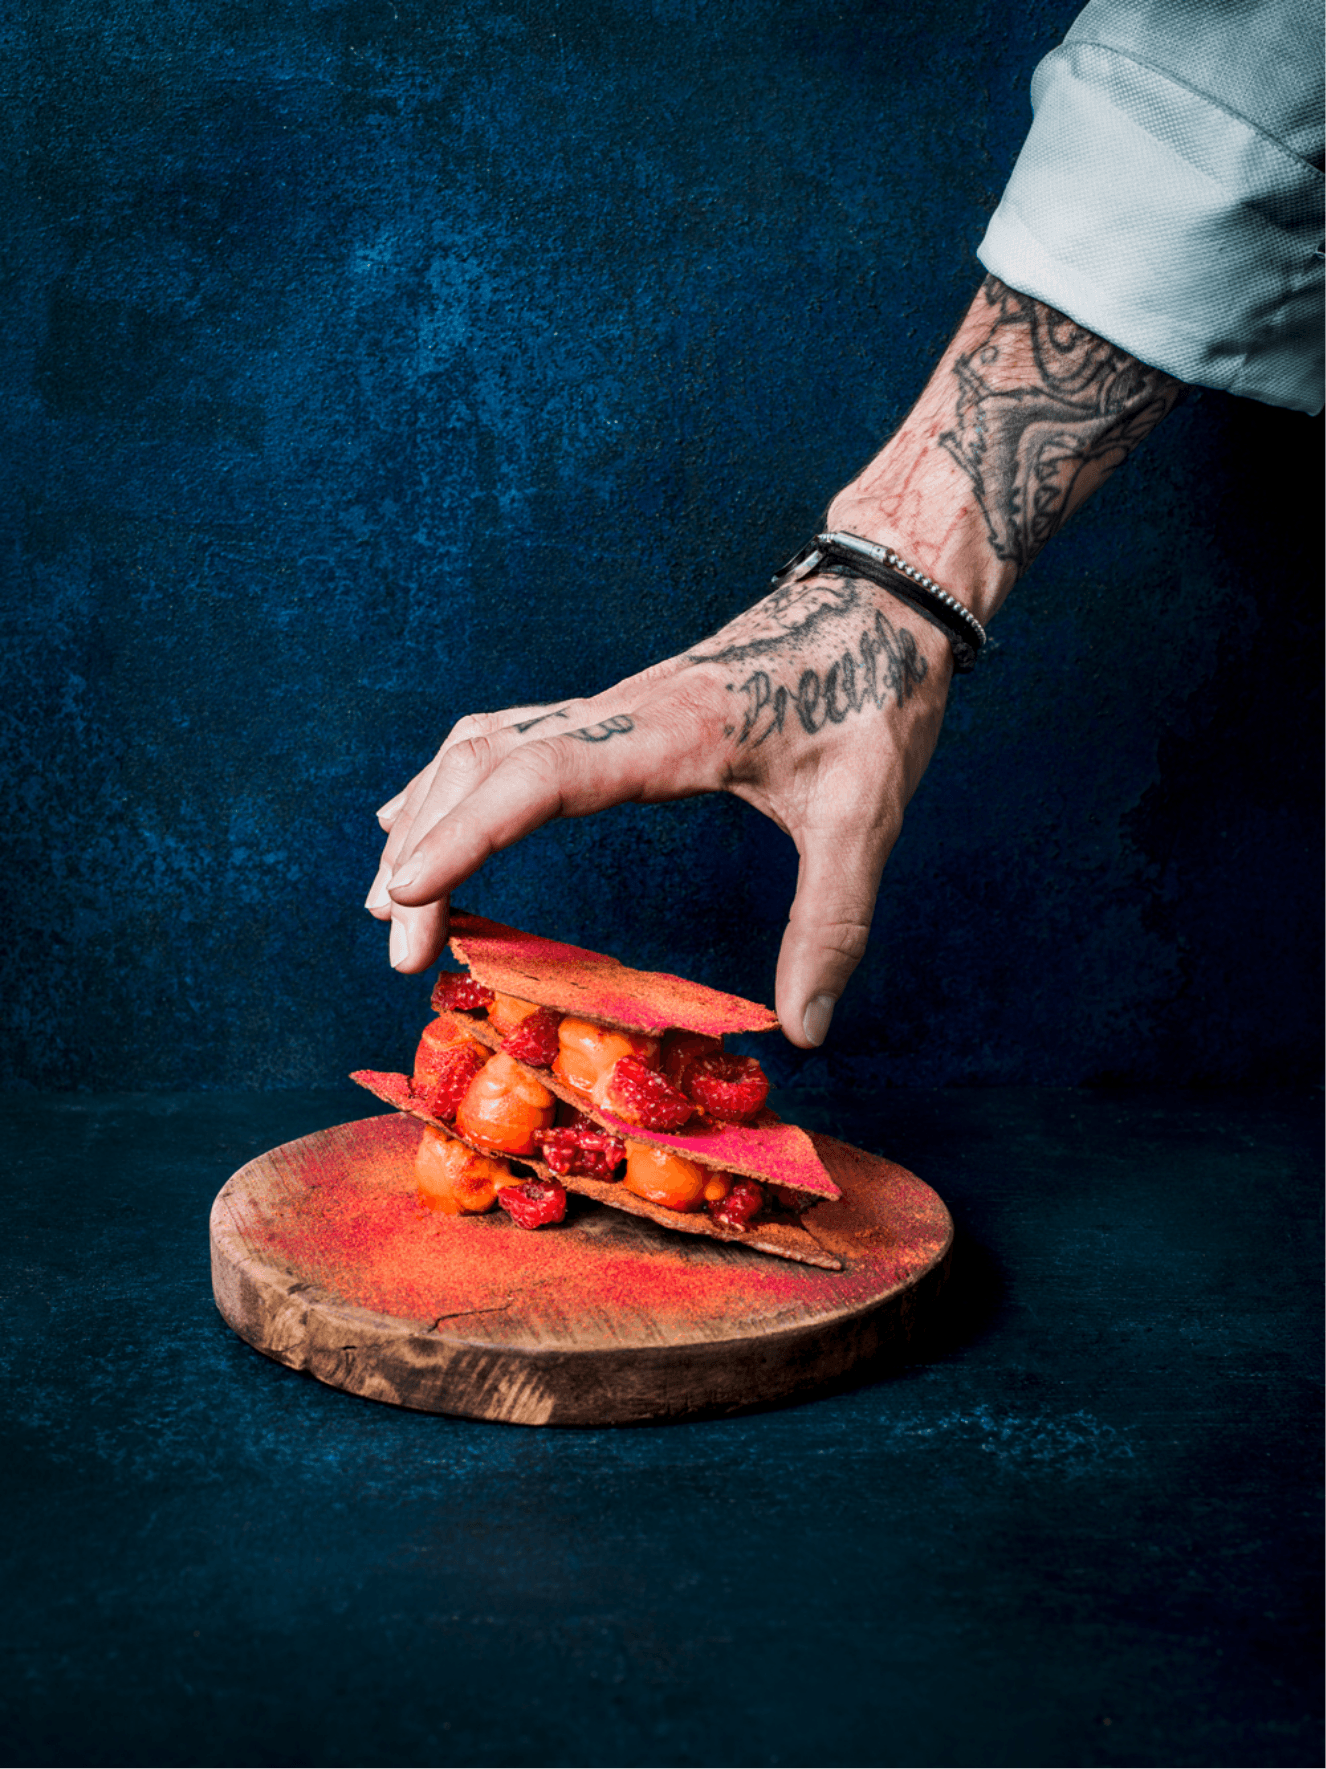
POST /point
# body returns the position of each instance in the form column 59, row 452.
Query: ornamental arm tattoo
column 1044, row 411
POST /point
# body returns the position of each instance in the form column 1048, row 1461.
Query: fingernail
column 819, row 1011
column 377, row 897
column 388, row 813
column 407, row 875
column 399, row 949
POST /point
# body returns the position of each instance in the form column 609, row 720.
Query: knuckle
column 848, row 939
column 469, row 761
column 843, row 936
column 472, row 725
column 544, row 763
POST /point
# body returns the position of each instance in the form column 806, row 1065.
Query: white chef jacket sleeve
column 1169, row 194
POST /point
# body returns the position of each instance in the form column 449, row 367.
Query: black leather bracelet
column 884, row 567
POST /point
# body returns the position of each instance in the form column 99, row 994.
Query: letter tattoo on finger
column 529, row 724
column 616, row 726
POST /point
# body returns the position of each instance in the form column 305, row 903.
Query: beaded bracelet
column 884, row 567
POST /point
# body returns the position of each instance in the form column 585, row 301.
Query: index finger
column 624, row 757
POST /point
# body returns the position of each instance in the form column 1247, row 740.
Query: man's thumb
column 827, row 931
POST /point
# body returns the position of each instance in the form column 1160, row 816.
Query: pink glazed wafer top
column 596, row 987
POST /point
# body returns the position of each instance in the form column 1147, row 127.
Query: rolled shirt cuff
column 1169, row 225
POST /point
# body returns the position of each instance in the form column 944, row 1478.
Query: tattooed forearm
column 886, row 663
column 1044, row 410
column 617, row 726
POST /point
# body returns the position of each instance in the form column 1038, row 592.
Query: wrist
column 838, row 553
column 911, row 498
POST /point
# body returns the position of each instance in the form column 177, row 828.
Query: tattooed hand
column 822, row 704
column 883, row 662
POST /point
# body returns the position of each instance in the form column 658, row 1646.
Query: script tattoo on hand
column 1024, row 442
column 883, row 663
column 889, row 665
column 616, row 726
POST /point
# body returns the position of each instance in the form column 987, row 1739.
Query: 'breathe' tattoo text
column 885, row 665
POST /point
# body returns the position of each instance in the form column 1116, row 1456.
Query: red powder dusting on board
column 350, row 1224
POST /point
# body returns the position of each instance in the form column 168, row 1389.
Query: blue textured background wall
column 371, row 363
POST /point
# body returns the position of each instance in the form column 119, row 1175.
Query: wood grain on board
column 323, row 1259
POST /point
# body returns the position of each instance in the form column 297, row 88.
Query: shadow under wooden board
column 323, row 1259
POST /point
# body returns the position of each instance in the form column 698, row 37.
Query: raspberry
column 790, row 1200
column 534, row 1040
column 457, row 992
column 642, row 1096
column 682, row 1051
column 535, row 1203
column 740, row 1207
column 449, row 1080
column 583, row 1150
column 730, row 1088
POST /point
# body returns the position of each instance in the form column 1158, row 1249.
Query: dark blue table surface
column 1081, row 1527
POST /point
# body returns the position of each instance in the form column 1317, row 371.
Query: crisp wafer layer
column 786, row 1240
column 595, row 987
column 768, row 1150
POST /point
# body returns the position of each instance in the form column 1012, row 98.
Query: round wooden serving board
column 323, row 1259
